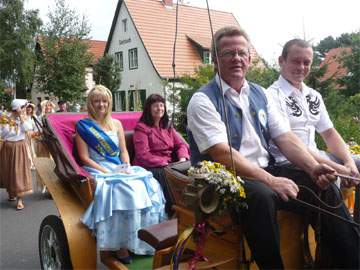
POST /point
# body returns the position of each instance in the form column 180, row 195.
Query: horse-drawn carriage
column 64, row 243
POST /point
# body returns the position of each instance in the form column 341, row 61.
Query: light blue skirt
column 123, row 204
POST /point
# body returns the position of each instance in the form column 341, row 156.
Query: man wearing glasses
column 252, row 122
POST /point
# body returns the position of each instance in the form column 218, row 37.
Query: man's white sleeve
column 205, row 122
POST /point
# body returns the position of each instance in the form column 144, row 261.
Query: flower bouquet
column 227, row 185
column 355, row 149
column 213, row 190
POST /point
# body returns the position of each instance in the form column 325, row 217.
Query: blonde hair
column 46, row 103
column 100, row 90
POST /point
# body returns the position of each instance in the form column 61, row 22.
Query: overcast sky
column 269, row 23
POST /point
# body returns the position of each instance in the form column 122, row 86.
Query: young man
column 252, row 122
column 305, row 110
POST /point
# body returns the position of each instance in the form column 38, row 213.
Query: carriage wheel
column 53, row 245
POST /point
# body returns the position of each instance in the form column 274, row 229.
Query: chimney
column 167, row 3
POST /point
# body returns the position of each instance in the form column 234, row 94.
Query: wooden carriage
column 229, row 250
column 67, row 244
column 64, row 242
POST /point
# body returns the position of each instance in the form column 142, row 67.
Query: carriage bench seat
column 161, row 235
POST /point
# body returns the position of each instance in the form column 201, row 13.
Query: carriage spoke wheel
column 53, row 246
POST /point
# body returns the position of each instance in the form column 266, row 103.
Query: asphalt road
column 19, row 230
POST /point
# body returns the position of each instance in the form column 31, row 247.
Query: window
column 207, row 57
column 119, row 60
column 133, row 59
column 136, row 99
column 124, row 24
column 120, row 101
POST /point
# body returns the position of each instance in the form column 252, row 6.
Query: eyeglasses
column 231, row 54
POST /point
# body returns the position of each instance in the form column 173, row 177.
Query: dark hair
column 296, row 41
column 61, row 102
column 146, row 116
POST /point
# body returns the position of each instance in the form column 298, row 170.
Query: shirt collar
column 290, row 90
column 244, row 89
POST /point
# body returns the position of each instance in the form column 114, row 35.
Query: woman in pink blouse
column 157, row 143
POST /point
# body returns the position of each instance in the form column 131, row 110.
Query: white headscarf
column 18, row 103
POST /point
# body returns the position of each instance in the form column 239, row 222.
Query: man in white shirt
column 252, row 122
column 305, row 111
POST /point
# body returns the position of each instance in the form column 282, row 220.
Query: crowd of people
column 272, row 147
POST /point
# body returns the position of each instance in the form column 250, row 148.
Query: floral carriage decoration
column 221, row 189
column 227, row 185
column 354, row 149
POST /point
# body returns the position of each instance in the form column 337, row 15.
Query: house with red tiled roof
column 96, row 48
column 335, row 69
column 142, row 37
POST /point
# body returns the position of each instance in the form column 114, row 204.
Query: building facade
column 141, row 39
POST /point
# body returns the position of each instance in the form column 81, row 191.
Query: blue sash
column 98, row 140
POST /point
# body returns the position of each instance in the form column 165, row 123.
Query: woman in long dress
column 15, row 163
column 126, row 198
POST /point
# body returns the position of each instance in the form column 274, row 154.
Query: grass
column 141, row 262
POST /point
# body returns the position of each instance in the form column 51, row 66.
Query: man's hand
column 323, row 175
column 351, row 171
column 284, row 187
column 351, row 166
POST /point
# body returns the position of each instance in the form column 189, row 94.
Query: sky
column 269, row 23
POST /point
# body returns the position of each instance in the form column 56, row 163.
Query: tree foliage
column 63, row 54
column 107, row 72
column 342, row 104
column 344, row 40
column 351, row 61
column 18, row 28
column 262, row 76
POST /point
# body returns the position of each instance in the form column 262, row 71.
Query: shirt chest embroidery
column 314, row 104
column 294, row 107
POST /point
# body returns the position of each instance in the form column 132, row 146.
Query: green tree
column 314, row 79
column 18, row 28
column 107, row 72
column 262, row 76
column 63, row 54
column 351, row 61
column 344, row 40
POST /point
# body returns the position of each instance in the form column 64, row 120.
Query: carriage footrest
column 161, row 235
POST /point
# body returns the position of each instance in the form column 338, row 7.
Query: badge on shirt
column 262, row 117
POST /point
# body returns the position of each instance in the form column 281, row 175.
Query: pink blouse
column 154, row 146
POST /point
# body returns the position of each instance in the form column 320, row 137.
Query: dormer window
column 207, row 57
column 124, row 24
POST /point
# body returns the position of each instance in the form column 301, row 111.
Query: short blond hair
column 100, row 90
column 227, row 31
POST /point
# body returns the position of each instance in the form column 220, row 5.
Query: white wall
column 145, row 76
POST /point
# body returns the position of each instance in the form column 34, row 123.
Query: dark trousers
column 159, row 175
column 261, row 228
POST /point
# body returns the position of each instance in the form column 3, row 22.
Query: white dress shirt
column 208, row 129
column 304, row 111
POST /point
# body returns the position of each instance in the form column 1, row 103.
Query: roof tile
column 156, row 26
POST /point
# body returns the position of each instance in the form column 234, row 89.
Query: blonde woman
column 47, row 107
column 15, row 164
column 32, row 132
column 126, row 197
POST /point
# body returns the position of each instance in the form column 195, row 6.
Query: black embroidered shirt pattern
column 294, row 106
column 314, row 104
